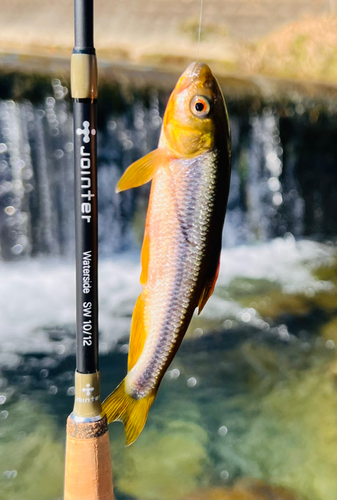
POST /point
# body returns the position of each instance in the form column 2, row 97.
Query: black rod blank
column 85, row 153
column 84, row 26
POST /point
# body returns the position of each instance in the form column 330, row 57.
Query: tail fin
column 132, row 412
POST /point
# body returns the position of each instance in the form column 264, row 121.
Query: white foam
column 40, row 293
column 284, row 260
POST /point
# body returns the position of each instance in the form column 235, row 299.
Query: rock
column 244, row 489
column 329, row 330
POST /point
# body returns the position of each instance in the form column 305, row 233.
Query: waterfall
column 15, row 174
column 264, row 190
column 267, row 197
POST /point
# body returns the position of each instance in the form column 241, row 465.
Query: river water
column 250, row 398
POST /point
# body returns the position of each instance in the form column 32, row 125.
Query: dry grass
column 238, row 37
column 305, row 49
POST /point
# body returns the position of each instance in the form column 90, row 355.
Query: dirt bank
column 162, row 33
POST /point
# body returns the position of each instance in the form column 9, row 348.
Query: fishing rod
column 88, row 474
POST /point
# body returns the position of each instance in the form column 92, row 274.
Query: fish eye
column 200, row 106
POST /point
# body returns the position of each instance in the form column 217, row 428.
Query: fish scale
column 166, row 317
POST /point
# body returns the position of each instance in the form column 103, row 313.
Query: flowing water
column 249, row 403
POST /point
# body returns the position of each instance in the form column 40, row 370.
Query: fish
column 180, row 257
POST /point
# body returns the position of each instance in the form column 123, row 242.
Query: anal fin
column 145, row 255
column 138, row 333
column 208, row 288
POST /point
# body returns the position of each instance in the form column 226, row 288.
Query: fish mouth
column 196, row 68
column 196, row 71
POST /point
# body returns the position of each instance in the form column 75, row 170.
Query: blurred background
column 248, row 409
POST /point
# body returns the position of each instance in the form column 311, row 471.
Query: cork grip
column 87, row 446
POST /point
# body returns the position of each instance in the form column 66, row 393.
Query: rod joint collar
column 84, row 76
column 87, row 395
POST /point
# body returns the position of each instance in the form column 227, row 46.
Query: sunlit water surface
column 251, row 392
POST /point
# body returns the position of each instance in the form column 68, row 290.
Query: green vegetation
column 24, row 85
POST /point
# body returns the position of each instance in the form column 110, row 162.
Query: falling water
column 36, row 175
column 256, row 172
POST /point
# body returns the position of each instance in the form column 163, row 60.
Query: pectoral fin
column 209, row 288
column 142, row 171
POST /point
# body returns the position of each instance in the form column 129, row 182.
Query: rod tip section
column 88, row 472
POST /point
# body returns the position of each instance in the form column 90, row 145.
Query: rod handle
column 88, row 472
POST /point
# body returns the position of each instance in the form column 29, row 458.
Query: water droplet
column 283, row 332
column 112, row 126
column 59, row 153
column 27, row 174
column 245, row 317
column 71, row 391
column 228, row 324
column 59, row 93
column 274, row 184
column 192, row 382
column 224, row 475
column 10, row 474
column 44, row 373
column 23, row 240
column 223, row 430
column 277, row 199
column 2, row 399
column 69, row 147
column 300, row 109
column 4, row 414
column 53, row 390
column 198, row 332
column 3, row 147
column 330, row 344
column 10, row 210
column 17, row 249
column 60, row 349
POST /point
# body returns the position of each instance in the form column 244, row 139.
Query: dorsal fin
column 142, row 171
